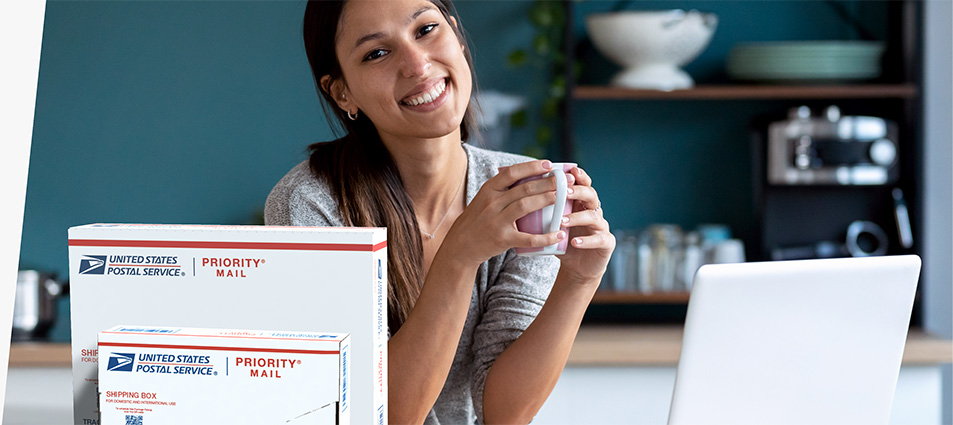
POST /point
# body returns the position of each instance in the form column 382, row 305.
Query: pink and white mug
column 549, row 218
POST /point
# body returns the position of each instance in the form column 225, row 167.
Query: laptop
column 794, row 342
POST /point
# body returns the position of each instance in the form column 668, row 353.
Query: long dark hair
column 359, row 169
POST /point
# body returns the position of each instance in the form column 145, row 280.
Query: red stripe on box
column 294, row 246
column 253, row 337
column 202, row 347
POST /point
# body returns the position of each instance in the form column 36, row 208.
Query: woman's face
column 403, row 67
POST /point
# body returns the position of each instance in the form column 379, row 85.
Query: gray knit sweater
column 508, row 293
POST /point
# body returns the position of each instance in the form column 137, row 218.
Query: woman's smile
column 428, row 96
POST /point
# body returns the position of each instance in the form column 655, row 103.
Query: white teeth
column 428, row 97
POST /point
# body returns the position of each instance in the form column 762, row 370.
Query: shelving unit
column 752, row 91
column 617, row 297
column 897, row 94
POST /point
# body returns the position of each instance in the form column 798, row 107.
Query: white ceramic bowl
column 652, row 45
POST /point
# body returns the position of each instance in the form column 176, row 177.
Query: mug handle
column 561, row 194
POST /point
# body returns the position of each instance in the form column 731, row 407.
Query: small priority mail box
column 232, row 277
column 162, row 375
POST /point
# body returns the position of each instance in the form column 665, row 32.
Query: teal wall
column 163, row 112
column 189, row 112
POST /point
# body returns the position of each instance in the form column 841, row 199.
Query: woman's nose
column 416, row 62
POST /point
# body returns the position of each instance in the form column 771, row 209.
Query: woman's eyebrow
column 377, row 35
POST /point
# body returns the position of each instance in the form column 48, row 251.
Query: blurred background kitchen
column 715, row 131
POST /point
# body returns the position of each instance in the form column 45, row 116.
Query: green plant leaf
column 516, row 58
column 541, row 44
column 541, row 14
column 533, row 151
column 519, row 118
column 577, row 69
column 550, row 108
column 543, row 135
column 558, row 15
column 557, row 87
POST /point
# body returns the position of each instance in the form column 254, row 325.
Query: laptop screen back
column 795, row 342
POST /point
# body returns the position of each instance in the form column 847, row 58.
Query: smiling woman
column 477, row 332
column 393, row 70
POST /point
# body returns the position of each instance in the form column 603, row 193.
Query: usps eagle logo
column 92, row 264
column 120, row 362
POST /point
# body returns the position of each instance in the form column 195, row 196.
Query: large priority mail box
column 231, row 277
column 161, row 375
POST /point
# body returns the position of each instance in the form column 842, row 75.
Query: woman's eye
column 426, row 29
column 374, row 54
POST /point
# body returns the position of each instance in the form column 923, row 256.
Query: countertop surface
column 633, row 345
column 595, row 345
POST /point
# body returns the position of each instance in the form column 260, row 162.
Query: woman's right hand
column 487, row 227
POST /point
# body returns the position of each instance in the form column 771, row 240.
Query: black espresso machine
column 828, row 185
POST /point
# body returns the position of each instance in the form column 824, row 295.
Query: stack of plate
column 805, row 61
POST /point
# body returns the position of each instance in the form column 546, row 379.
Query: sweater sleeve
column 512, row 301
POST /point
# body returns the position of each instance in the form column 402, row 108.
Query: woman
column 473, row 336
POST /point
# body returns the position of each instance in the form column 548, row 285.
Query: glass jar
column 622, row 272
column 659, row 254
column 693, row 258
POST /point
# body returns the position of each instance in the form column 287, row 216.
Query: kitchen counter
column 595, row 345
column 630, row 345
column 40, row 354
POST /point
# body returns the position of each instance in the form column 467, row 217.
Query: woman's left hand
column 590, row 241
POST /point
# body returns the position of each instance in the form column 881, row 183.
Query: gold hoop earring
column 352, row 117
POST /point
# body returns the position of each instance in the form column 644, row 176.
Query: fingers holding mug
column 527, row 188
column 548, row 219
column 586, row 198
column 586, row 218
column 581, row 177
column 529, row 205
column 513, row 175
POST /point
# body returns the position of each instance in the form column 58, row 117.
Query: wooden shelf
column 750, row 91
column 610, row 297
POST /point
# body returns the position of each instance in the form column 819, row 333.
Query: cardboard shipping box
column 231, row 277
column 161, row 375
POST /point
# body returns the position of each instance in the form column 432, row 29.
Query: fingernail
column 561, row 235
column 565, row 220
column 570, row 178
column 569, row 190
column 577, row 241
column 547, row 165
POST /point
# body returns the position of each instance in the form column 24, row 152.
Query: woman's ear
column 337, row 91
column 453, row 21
